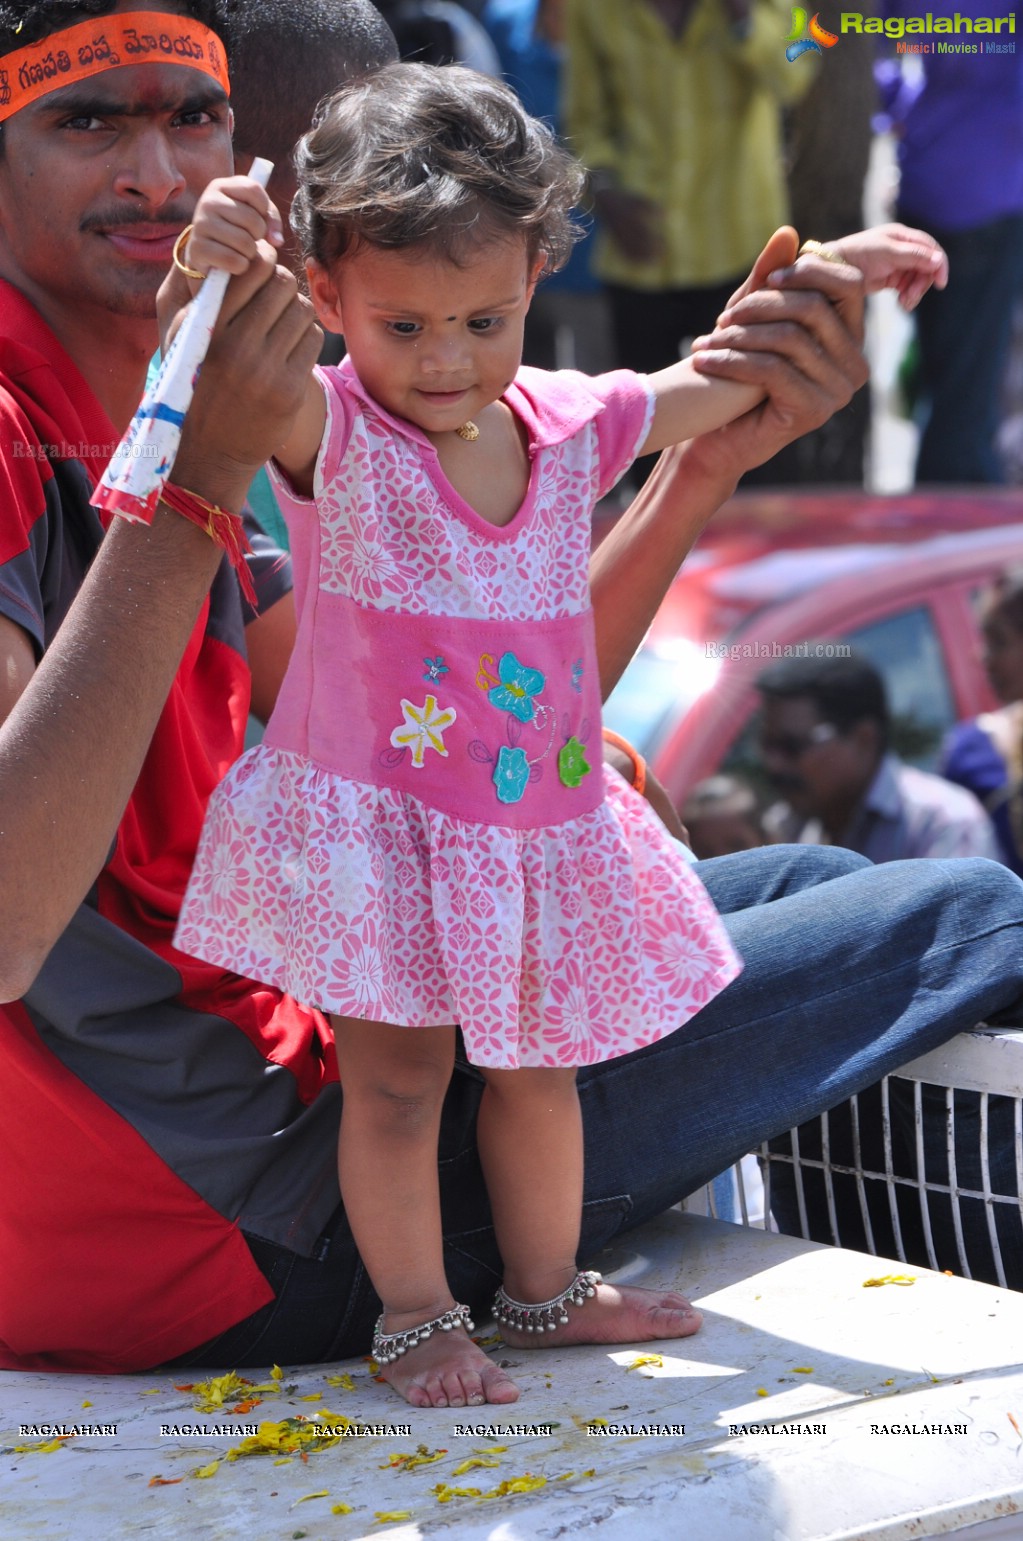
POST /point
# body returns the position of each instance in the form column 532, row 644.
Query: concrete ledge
column 833, row 1385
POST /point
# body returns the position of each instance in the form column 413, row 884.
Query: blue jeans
column 964, row 333
column 851, row 970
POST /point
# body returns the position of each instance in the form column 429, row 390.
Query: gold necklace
column 469, row 432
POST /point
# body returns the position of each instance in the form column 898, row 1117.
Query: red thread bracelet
column 223, row 528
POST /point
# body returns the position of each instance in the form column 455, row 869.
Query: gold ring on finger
column 179, row 262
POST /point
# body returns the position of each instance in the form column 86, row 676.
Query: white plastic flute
column 143, row 461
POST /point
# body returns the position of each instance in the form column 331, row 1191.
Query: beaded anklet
column 389, row 1346
column 548, row 1315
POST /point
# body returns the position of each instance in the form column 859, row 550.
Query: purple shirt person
column 960, row 132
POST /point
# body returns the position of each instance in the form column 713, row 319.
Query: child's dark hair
column 434, row 156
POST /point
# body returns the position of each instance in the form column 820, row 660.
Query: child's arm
column 231, row 217
column 687, row 404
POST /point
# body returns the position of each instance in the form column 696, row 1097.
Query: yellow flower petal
column 341, row 1509
column 421, row 1457
column 655, row 1359
column 207, row 1471
column 525, row 1484
column 86, row 1404
column 307, row 1496
column 762, row 1391
column 471, row 1464
column 802, row 1369
column 444, row 1494
column 344, row 1381
column 391, row 1516
column 277, row 1373
column 888, row 1278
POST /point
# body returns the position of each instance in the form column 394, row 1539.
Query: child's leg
column 531, row 1146
column 394, row 1080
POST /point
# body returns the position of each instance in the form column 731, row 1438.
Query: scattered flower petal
column 802, row 1369
column 514, row 1485
column 762, row 1391
column 470, row 1465
column 888, row 1278
column 421, row 1456
column 214, row 1393
column 307, row 1496
column 207, row 1471
column 164, row 1481
column 341, row 1509
column 657, row 1360
column 390, row 1516
column 444, row 1494
column 344, row 1381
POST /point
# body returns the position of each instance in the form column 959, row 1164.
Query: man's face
column 813, row 766
column 98, row 179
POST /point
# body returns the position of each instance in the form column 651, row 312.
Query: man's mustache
column 123, row 217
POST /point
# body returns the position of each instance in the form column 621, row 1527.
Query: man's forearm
column 632, row 568
column 73, row 745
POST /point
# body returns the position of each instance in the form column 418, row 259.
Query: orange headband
column 90, row 47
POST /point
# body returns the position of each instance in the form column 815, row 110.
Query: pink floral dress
column 427, row 833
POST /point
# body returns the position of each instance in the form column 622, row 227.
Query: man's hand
column 796, row 329
column 632, row 222
column 252, row 382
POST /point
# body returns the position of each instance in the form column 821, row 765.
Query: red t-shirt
column 153, row 1106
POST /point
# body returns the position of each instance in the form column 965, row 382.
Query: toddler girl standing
column 427, row 836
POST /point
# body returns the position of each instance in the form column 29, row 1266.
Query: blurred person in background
column 675, row 108
column 568, row 326
column 440, row 32
column 985, row 754
column 824, row 745
column 959, row 121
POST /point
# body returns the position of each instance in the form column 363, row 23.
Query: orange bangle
column 638, row 762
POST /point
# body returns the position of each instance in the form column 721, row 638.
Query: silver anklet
column 389, row 1346
column 548, row 1315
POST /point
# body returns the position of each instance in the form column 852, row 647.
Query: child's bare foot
column 616, row 1313
column 448, row 1370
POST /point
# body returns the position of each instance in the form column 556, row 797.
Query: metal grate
column 926, row 1168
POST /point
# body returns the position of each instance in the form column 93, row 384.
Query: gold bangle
column 638, row 762
column 815, row 249
column 179, row 262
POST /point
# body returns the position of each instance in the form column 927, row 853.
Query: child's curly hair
column 420, row 155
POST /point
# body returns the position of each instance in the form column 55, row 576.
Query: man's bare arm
column 799, row 339
column 73, row 744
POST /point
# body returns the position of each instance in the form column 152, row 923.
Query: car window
column 906, row 649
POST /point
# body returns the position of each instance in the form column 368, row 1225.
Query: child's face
column 432, row 342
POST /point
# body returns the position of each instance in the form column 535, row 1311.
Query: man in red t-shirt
column 169, row 1131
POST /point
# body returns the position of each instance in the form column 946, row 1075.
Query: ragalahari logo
column 799, row 43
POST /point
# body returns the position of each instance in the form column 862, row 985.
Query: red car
column 898, row 578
